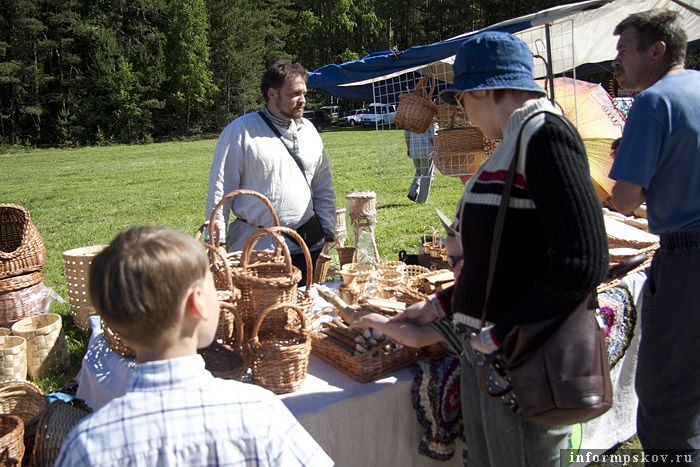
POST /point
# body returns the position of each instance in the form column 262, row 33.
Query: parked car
column 379, row 115
column 332, row 114
column 318, row 118
column 352, row 117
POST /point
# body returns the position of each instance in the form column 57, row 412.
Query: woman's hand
column 419, row 313
column 368, row 320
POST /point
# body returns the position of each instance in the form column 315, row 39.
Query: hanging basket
column 22, row 249
column 279, row 357
column 459, row 148
column 77, row 262
column 416, row 110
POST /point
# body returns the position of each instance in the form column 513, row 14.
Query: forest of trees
column 85, row 72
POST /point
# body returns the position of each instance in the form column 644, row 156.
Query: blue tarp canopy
column 591, row 19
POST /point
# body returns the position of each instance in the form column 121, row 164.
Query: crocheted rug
column 435, row 390
column 436, row 400
column 619, row 316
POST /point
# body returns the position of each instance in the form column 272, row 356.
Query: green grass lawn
column 82, row 197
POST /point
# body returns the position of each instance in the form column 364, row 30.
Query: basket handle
column 307, row 254
column 214, row 234
column 237, row 325
column 253, row 239
column 425, row 229
column 256, row 328
column 213, row 252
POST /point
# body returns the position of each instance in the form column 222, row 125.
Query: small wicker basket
column 416, row 110
column 13, row 357
column 25, row 400
column 279, row 358
column 22, row 249
column 47, row 351
column 11, row 440
column 214, row 234
column 77, row 262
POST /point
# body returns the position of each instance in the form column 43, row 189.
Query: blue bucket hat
column 491, row 60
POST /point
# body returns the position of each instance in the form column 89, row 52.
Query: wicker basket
column 369, row 366
column 22, row 249
column 416, row 110
column 214, row 234
column 386, row 282
column 279, row 358
column 265, row 284
column 11, row 440
column 346, row 255
column 449, row 116
column 116, row 343
column 16, row 305
column 25, row 400
column 11, row 284
column 13, row 357
column 225, row 359
column 77, row 262
column 53, row 427
column 46, row 343
column 459, row 148
column 412, row 271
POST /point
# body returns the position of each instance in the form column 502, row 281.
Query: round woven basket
column 22, row 303
column 264, row 284
column 11, row 440
column 279, row 358
column 225, row 359
column 52, row 428
column 387, row 282
column 22, row 249
column 46, row 343
column 346, row 255
column 459, row 151
column 77, row 262
column 13, row 357
column 24, row 400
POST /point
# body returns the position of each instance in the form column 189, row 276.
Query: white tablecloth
column 371, row 423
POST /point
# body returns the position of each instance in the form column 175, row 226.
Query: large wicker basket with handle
column 22, row 249
column 279, row 357
column 416, row 109
column 264, row 284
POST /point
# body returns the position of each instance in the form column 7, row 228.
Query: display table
column 371, row 423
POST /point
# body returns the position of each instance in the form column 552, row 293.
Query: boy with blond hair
column 153, row 286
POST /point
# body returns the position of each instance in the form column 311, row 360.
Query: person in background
column 553, row 251
column 153, row 286
column 658, row 162
column 419, row 147
column 279, row 154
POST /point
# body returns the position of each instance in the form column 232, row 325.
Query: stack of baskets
column 22, row 260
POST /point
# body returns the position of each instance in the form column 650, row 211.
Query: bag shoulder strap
column 503, row 206
column 277, row 133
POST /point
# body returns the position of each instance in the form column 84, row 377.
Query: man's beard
column 294, row 114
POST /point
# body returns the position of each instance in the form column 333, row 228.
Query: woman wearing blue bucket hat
column 553, row 249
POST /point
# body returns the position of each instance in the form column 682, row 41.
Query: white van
column 379, row 115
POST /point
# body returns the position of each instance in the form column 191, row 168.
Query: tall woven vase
column 77, row 262
column 46, row 343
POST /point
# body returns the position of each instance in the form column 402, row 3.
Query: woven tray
column 374, row 364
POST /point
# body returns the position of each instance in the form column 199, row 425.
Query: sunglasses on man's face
column 453, row 260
